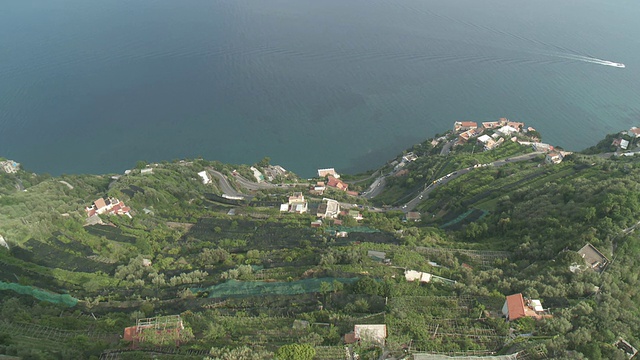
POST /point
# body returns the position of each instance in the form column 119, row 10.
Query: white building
column 328, row 172
column 205, row 177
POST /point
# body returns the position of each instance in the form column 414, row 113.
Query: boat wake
column 591, row 60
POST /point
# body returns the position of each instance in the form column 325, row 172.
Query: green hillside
column 249, row 280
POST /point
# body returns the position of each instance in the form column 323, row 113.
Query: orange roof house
column 513, row 307
column 336, row 183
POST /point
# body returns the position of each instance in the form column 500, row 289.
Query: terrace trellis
column 486, row 257
column 49, row 333
column 445, row 324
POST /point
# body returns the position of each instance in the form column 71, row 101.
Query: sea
column 95, row 86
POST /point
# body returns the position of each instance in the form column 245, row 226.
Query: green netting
column 360, row 229
column 463, row 216
column 61, row 299
column 234, row 288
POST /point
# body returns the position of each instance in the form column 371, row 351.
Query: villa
column 464, row 125
column 554, row 157
column 110, row 206
column 10, row 166
column 328, row 209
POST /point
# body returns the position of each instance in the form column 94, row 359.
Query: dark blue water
column 92, row 87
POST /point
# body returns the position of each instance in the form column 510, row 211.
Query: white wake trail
column 588, row 59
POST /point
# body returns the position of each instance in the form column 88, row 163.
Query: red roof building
column 336, row 183
column 464, row 125
column 513, row 307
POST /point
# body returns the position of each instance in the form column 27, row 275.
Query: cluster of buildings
column 333, row 180
column 110, row 206
column 623, row 144
column 504, row 128
column 10, row 166
column 406, row 158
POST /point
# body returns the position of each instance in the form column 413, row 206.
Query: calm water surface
column 92, row 87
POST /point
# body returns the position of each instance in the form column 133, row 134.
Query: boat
column 618, row 65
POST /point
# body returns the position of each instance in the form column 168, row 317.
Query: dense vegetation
column 255, row 283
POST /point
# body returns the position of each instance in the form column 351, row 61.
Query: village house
column 465, row 136
column 10, row 166
column 554, row 157
column 503, row 122
column 464, row 125
column 110, row 205
column 146, row 171
column 409, row 157
column 635, row 132
column 328, row 172
column 593, row 257
column 296, row 204
column 318, row 188
column 515, row 307
column 328, row 209
column 423, row 277
column 336, row 183
column 541, row 147
column 487, row 142
column 507, row 130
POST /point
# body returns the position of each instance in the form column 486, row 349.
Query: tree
column 295, row 352
column 264, row 162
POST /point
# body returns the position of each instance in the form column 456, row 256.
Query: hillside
column 247, row 278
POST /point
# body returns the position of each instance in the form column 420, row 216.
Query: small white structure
column 624, row 144
column 412, row 275
column 146, row 171
column 3, row 242
column 284, row 207
column 507, row 130
column 536, row 305
column 205, row 177
column 409, row 157
column 484, row 138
